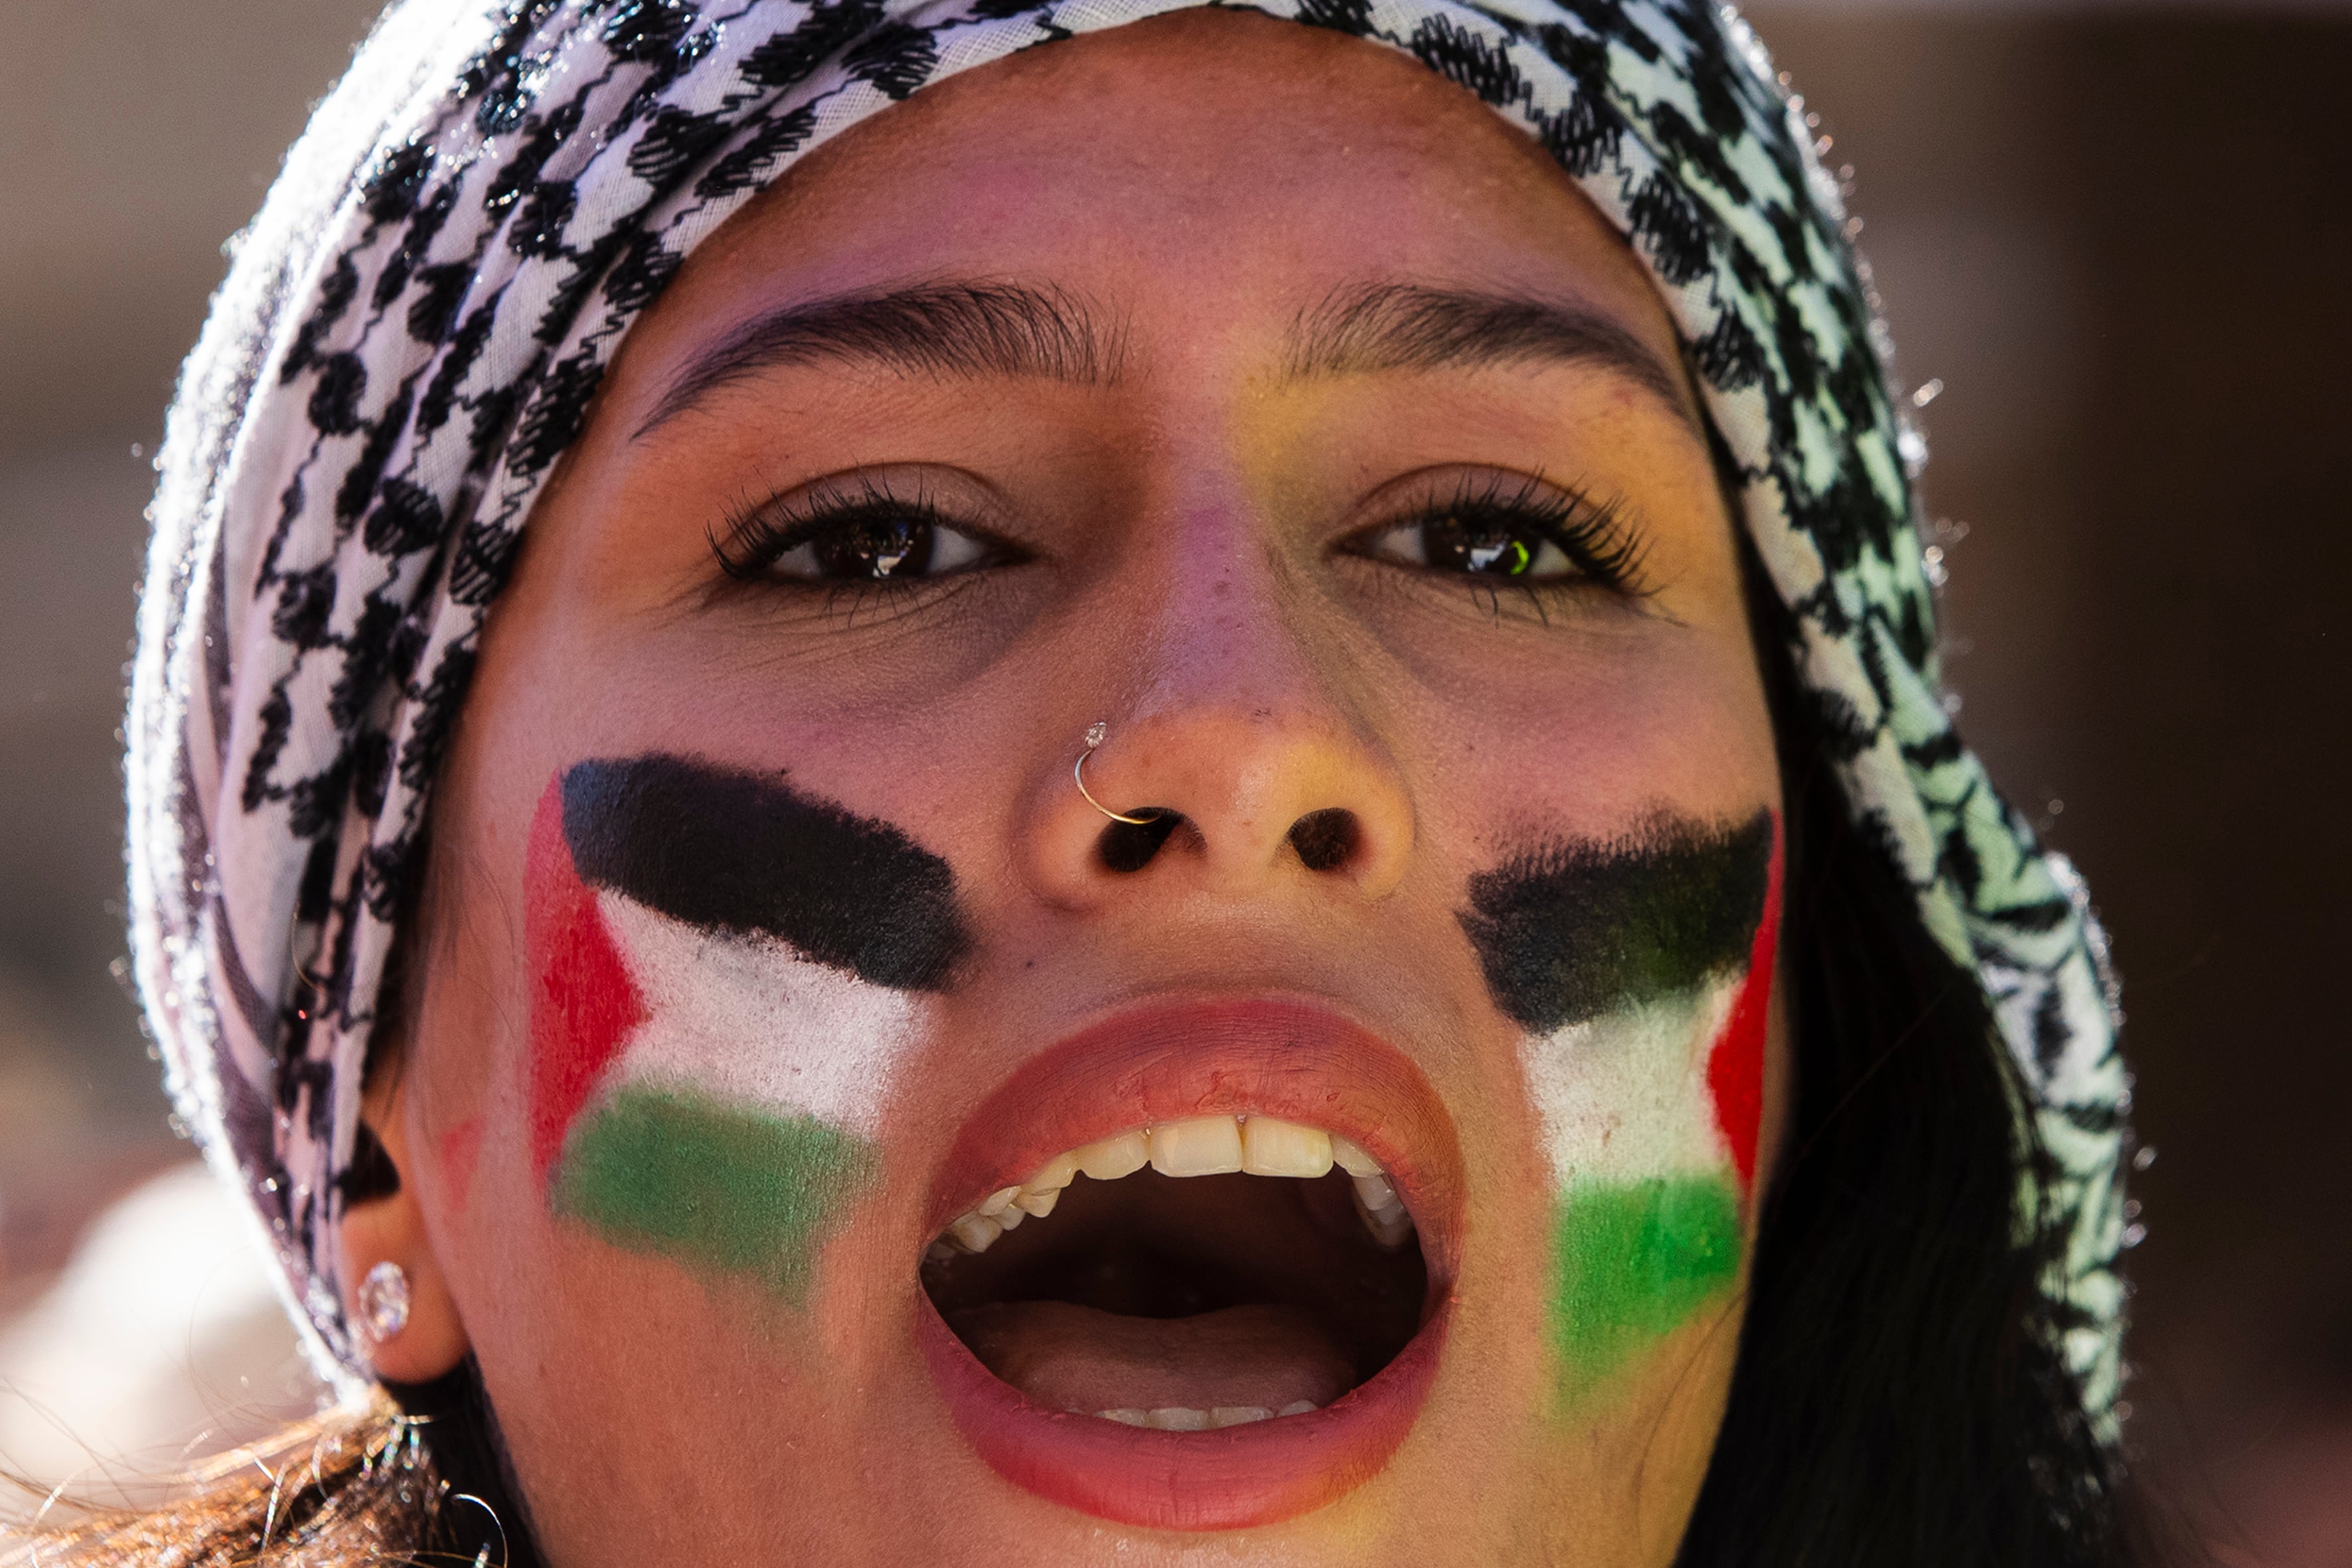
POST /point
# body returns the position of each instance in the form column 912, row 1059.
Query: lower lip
column 1236, row 1477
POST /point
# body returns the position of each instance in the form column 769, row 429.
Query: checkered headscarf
column 414, row 324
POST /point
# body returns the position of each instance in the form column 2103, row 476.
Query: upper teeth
column 1195, row 1146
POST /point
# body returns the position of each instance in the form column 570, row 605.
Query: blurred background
column 2113, row 237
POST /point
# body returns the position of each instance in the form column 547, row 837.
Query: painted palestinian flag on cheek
column 1642, row 972
column 727, row 980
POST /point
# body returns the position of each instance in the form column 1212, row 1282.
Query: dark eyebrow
column 964, row 330
column 1406, row 326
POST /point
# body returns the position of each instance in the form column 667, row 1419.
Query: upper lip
column 1285, row 1056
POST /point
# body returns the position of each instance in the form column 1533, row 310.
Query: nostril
column 1130, row 846
column 1325, row 839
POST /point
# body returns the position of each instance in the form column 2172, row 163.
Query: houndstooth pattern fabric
column 412, row 329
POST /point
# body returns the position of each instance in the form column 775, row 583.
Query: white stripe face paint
column 746, row 1020
column 1625, row 1097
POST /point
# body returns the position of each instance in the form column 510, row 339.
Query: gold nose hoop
column 1095, row 733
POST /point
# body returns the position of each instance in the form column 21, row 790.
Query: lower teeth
column 1178, row 1418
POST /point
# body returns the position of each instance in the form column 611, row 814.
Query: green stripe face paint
column 743, row 1191
column 1631, row 1261
column 1641, row 970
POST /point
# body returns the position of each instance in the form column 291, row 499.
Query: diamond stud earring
column 384, row 1301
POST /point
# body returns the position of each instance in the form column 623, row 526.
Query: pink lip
column 1281, row 1058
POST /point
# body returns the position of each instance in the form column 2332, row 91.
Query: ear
column 386, row 1224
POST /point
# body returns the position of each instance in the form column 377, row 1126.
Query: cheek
column 708, row 1097
column 1625, row 730
column 1651, row 1112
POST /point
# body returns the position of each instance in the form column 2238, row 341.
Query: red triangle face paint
column 1735, row 1068
column 583, row 1004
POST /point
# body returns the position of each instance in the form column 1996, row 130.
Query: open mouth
column 1226, row 1313
column 1198, row 1274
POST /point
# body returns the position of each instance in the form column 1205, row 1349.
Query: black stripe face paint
column 1570, row 931
column 744, row 853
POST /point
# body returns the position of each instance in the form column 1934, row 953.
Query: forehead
column 1206, row 175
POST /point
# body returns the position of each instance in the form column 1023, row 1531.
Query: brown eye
column 1473, row 544
column 875, row 546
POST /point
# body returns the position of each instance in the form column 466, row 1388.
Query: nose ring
column 1095, row 732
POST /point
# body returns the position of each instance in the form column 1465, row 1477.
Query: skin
column 1184, row 580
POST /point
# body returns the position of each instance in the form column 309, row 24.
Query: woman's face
column 791, row 1029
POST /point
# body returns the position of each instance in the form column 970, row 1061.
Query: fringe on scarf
column 349, row 1489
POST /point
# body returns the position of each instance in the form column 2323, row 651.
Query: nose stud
column 1095, row 734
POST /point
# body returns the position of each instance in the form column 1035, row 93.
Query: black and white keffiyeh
column 414, row 326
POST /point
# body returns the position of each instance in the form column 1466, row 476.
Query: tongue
column 1068, row 1357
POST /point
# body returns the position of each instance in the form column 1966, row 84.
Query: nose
column 1254, row 775
column 1234, row 802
